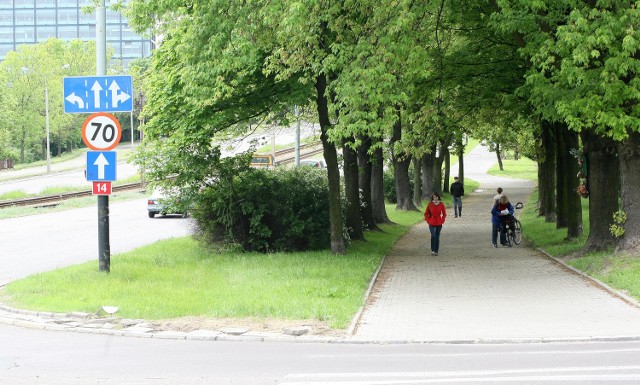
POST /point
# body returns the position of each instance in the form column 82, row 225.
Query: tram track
column 282, row 157
column 51, row 200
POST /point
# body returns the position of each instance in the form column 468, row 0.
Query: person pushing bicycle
column 501, row 212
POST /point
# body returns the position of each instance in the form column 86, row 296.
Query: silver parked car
column 160, row 203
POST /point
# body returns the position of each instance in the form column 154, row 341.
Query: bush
column 267, row 210
column 389, row 186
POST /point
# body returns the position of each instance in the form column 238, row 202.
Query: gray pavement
column 469, row 293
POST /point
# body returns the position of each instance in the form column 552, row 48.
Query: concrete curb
column 79, row 322
column 356, row 319
column 616, row 293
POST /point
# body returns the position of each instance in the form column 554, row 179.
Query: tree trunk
column 364, row 181
column 629, row 156
column 437, row 172
column 23, row 141
column 499, row 155
column 417, row 182
column 401, row 164
column 601, row 169
column 460, row 151
column 562, row 153
column 377, row 188
column 447, row 171
column 574, row 203
column 403, row 190
column 333, row 174
column 427, row 162
column 547, row 173
column 352, row 190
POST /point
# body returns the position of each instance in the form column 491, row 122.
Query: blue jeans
column 494, row 234
column 435, row 237
column 457, row 206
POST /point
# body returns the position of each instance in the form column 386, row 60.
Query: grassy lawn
column 524, row 168
column 180, row 277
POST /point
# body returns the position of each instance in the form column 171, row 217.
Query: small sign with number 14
column 101, row 188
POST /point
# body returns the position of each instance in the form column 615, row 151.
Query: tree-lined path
column 472, row 291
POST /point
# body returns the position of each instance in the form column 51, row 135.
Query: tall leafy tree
column 585, row 67
column 599, row 64
column 221, row 65
column 30, row 71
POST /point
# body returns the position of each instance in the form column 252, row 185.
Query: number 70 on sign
column 101, row 131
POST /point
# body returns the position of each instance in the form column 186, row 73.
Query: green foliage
column 617, row 227
column 267, row 210
column 31, row 72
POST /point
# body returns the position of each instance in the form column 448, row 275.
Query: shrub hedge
column 267, row 210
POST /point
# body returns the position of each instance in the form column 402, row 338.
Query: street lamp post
column 46, row 113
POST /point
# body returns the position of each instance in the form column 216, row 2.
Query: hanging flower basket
column 582, row 191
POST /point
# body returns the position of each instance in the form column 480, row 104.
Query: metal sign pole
column 104, row 248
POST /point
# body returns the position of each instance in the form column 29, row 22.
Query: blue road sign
column 101, row 166
column 88, row 94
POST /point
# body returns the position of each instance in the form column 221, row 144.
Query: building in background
column 34, row 21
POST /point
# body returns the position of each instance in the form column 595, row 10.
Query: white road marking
column 565, row 374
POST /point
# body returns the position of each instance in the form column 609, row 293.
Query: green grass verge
column 523, row 168
column 544, row 235
column 620, row 271
column 179, row 277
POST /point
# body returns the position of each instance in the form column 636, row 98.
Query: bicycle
column 513, row 229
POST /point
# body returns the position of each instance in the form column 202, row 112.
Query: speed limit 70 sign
column 101, row 131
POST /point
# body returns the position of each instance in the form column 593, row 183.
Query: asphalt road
column 32, row 357
column 40, row 243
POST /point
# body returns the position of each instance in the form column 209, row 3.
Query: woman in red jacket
column 435, row 215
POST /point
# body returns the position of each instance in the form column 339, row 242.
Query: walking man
column 457, row 192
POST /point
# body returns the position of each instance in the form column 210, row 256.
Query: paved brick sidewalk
column 472, row 292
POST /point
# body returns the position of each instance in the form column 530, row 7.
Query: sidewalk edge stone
column 628, row 299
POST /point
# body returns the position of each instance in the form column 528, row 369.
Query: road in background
column 69, row 173
column 38, row 243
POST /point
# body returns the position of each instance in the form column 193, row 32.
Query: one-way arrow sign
column 87, row 94
column 101, row 166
